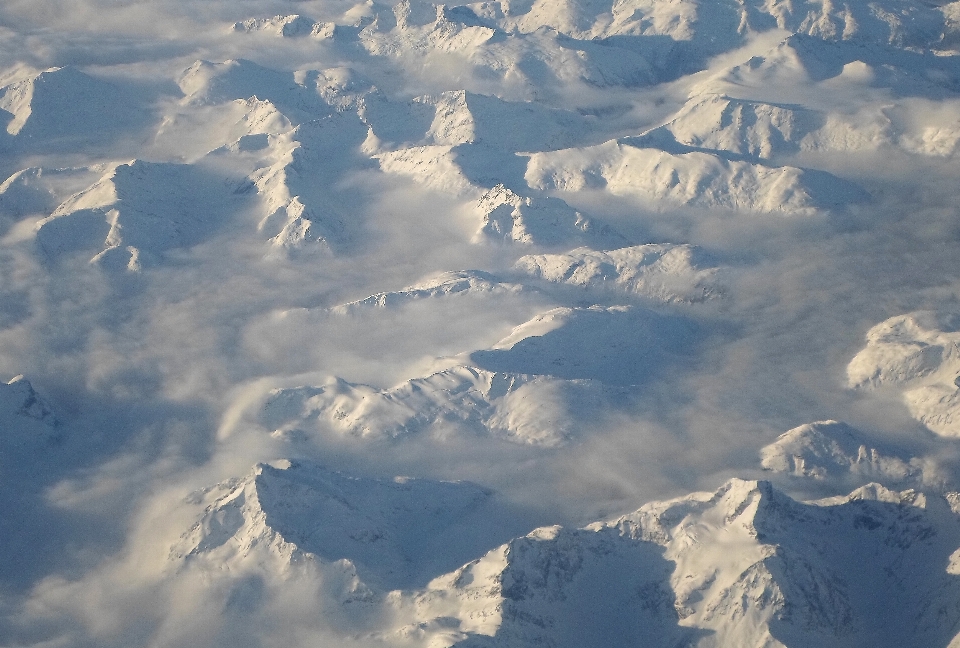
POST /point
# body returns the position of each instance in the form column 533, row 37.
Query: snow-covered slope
column 239, row 125
column 619, row 345
column 434, row 166
column 829, row 449
column 286, row 515
column 744, row 566
column 503, row 213
column 440, row 285
column 746, row 128
column 897, row 23
column 918, row 354
column 543, row 57
column 289, row 26
column 508, row 216
column 538, row 386
column 136, row 213
column 36, row 191
column 671, row 273
column 208, row 83
column 521, row 408
column 653, row 176
column 756, row 129
column 67, row 108
column 467, row 118
column 295, row 179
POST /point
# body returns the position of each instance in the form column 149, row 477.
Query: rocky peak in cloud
column 829, row 449
column 18, row 398
column 507, row 216
column 289, row 26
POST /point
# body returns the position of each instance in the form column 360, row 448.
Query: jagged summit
column 744, row 565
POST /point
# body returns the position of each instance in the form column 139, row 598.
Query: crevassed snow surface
column 510, row 323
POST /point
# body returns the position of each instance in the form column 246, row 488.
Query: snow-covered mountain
column 290, row 26
column 507, row 216
column 829, row 449
column 916, row 354
column 441, row 285
column 671, row 273
column 287, row 514
column 66, row 108
column 536, row 386
column 745, row 565
column 655, row 176
column 584, row 253
column 521, row 408
column 136, row 213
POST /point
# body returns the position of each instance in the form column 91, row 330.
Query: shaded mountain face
column 327, row 308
